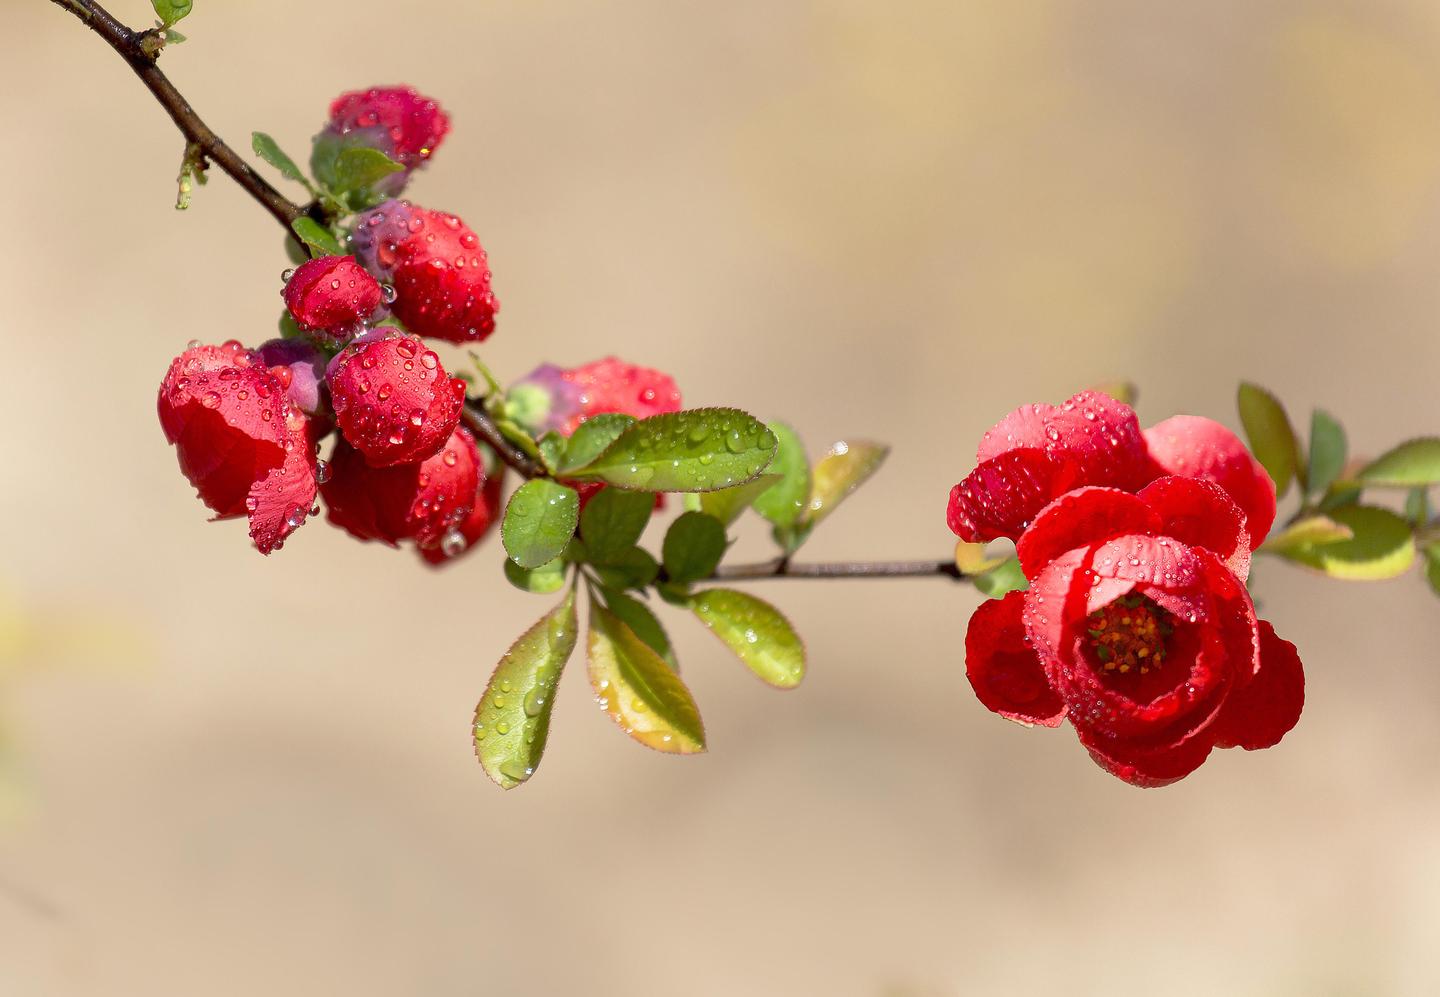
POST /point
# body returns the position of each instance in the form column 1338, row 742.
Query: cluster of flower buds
column 1136, row 624
column 248, row 424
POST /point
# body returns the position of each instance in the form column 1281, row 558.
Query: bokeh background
column 895, row 220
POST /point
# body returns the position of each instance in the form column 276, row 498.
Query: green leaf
column 173, row 37
column 539, row 522
column 1381, row 546
column 693, row 547
column 172, row 12
column 845, row 468
column 696, row 451
column 1341, row 494
column 591, row 438
column 1417, row 506
column 612, row 522
column 519, row 436
column 727, row 504
column 360, row 167
column 756, row 631
column 320, row 239
column 1271, row 437
column 1432, row 567
column 1412, row 463
column 1328, row 451
column 638, row 690
column 289, row 329
column 512, row 719
column 632, row 569
column 1312, row 531
column 1002, row 580
column 267, row 149
column 552, row 450
column 785, row 503
column 549, row 577
column 643, row 623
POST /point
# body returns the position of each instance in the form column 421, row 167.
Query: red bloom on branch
column 440, row 273
column 405, row 125
column 1138, row 628
column 241, row 442
column 393, row 400
column 560, row 398
column 331, row 297
column 1039, row 452
column 467, row 534
column 421, row 502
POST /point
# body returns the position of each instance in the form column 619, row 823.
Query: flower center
column 1130, row 634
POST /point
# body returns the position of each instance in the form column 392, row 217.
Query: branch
column 782, row 568
column 130, row 46
column 478, row 421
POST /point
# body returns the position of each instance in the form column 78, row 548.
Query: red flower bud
column 420, row 502
column 439, row 271
column 560, row 399
column 468, row 533
column 393, row 400
column 243, row 445
column 406, row 125
column 331, row 297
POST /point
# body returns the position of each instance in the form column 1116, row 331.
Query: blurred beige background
column 887, row 219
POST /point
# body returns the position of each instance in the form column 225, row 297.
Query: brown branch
column 478, row 421
column 132, row 47
column 784, row 568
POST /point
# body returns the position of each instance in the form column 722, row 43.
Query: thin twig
column 783, row 568
column 478, row 421
column 129, row 45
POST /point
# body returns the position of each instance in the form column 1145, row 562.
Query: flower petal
column 1001, row 496
column 1195, row 447
column 1003, row 669
column 1201, row 514
column 1149, row 767
column 280, row 501
column 1079, row 518
column 1259, row 714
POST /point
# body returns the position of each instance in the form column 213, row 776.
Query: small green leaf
column 845, row 468
column 631, row 569
column 1328, row 451
column 320, row 239
column 1002, row 580
column 1341, row 494
column 549, row 577
column 728, row 503
column 1417, row 506
column 519, row 436
column 172, row 12
column 552, row 450
column 267, row 149
column 1312, row 531
column 360, row 167
column 756, row 631
column 612, row 521
column 591, row 438
column 173, row 37
column 512, row 719
column 696, row 451
column 1271, row 437
column 1381, row 546
column 972, row 559
column 693, row 547
column 1412, row 463
column 643, row 623
column 288, row 327
column 539, row 522
column 638, row 690
column 1432, row 567
column 785, row 503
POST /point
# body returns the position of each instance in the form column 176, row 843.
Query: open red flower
column 241, row 442
column 420, row 502
column 1138, row 628
column 1039, row 452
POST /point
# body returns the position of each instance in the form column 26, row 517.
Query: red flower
column 420, row 502
column 437, row 266
column 331, row 297
column 1138, row 628
column 1039, row 452
column 393, row 400
column 560, row 398
column 467, row 534
column 407, row 125
column 241, row 442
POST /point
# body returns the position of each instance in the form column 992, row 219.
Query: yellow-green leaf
column 1381, row 546
column 845, row 468
column 785, row 503
column 512, row 719
column 638, row 690
column 700, row 450
column 1432, row 567
column 727, row 504
column 972, row 559
column 1328, row 450
column 756, row 631
column 1271, row 436
column 1411, row 464
column 1312, row 531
